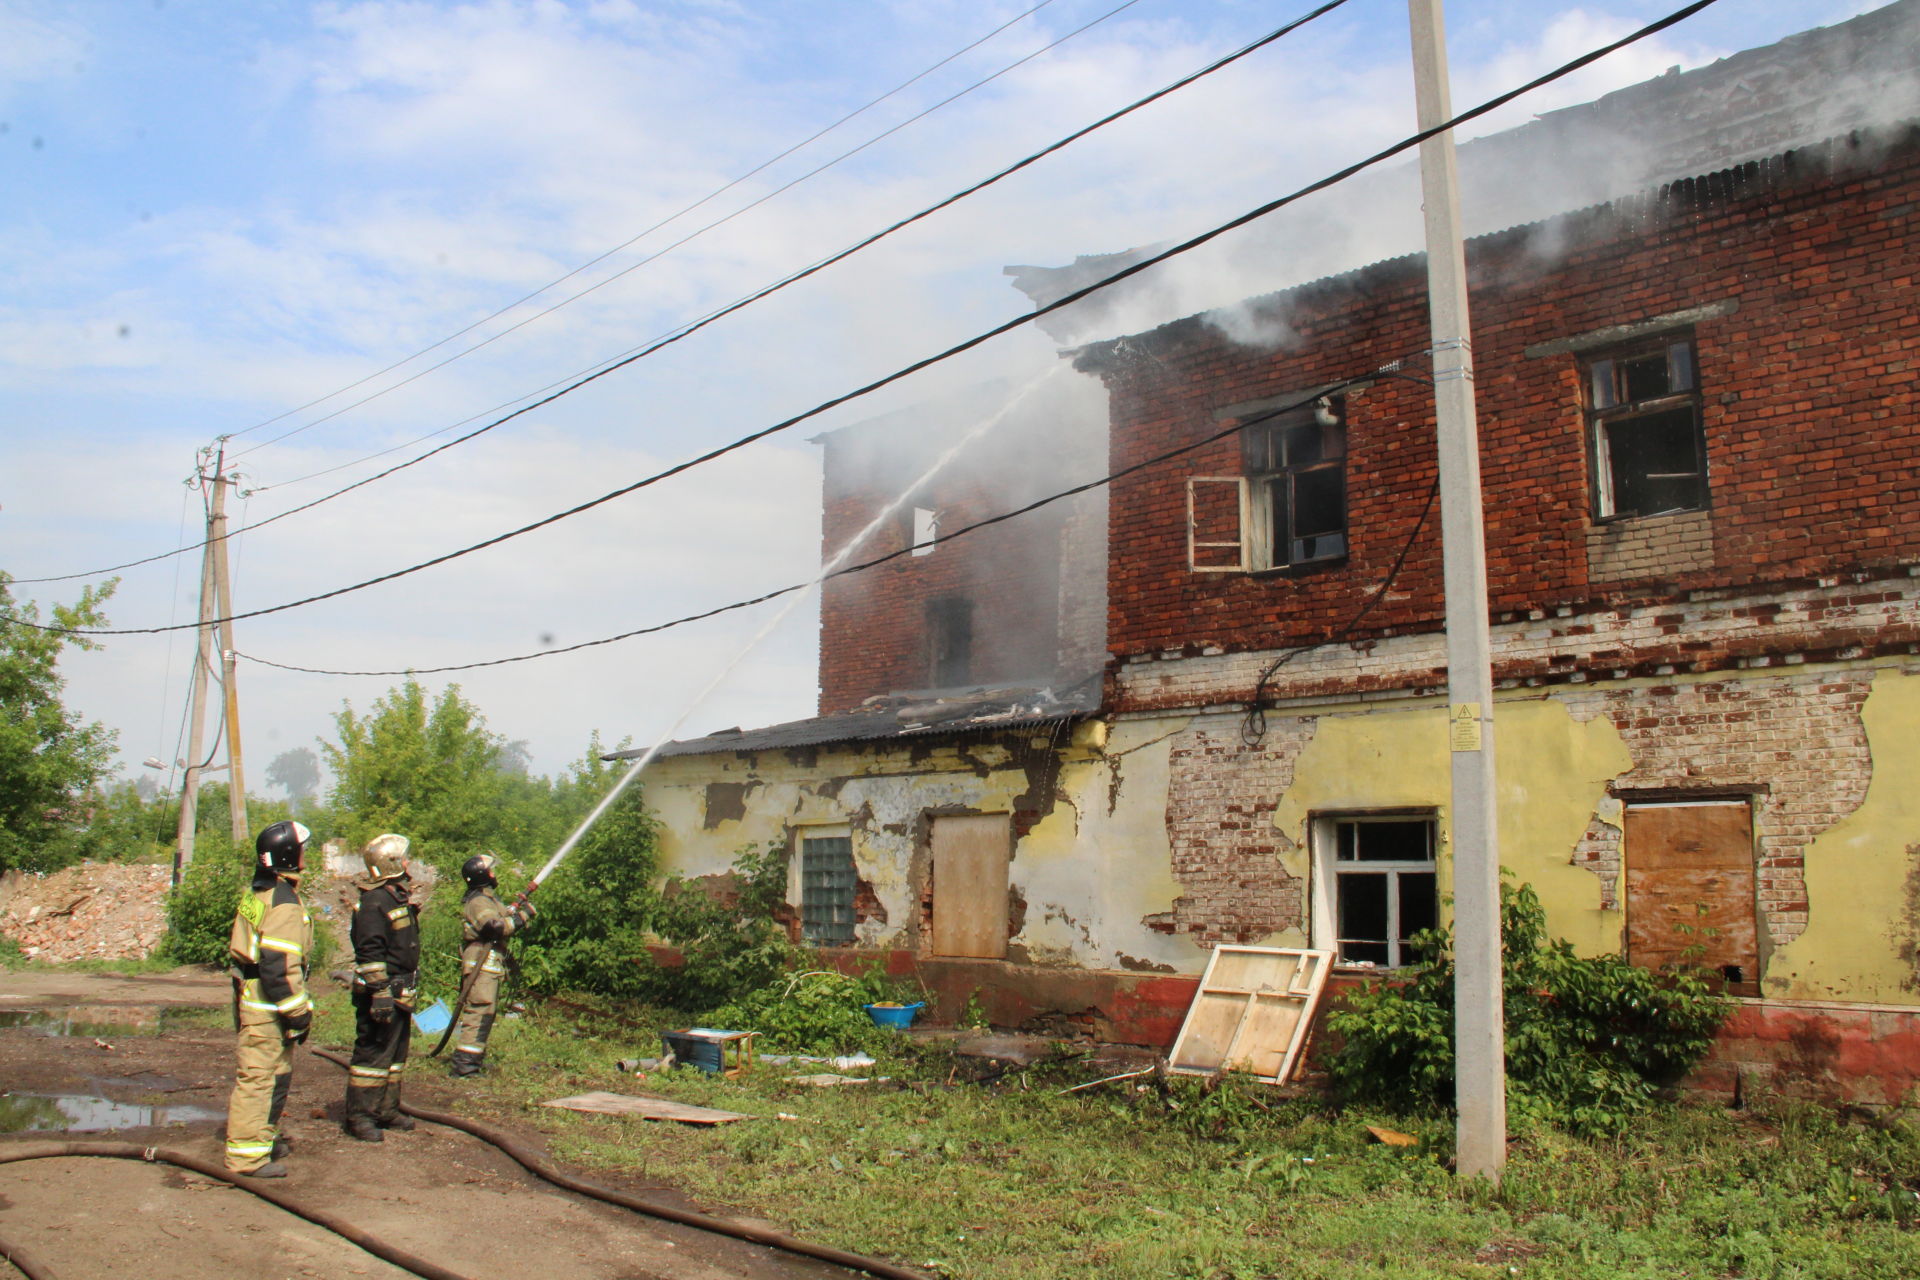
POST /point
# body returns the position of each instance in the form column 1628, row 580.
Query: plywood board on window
column 1251, row 1013
column 1690, row 892
column 970, row 856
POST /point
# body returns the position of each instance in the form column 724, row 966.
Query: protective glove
column 297, row 1025
column 524, row 913
column 380, row 1008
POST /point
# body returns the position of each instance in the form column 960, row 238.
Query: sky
column 225, row 220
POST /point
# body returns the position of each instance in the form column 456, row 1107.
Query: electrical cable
column 1144, row 264
column 712, row 195
column 863, row 566
column 610, row 364
column 692, row 235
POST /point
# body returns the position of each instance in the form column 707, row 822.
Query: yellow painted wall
column 1552, row 772
column 1863, row 873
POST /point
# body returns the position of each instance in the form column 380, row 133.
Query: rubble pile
column 94, row 911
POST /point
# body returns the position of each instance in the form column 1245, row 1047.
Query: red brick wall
column 1809, row 391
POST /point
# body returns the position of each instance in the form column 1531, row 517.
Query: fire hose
column 35, row 1269
column 538, row 1165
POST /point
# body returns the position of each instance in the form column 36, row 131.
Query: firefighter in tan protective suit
column 386, row 962
column 271, row 937
column 485, row 925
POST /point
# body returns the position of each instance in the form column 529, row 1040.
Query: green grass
column 1012, row 1180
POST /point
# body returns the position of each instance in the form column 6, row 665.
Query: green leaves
column 1589, row 1039
column 49, row 758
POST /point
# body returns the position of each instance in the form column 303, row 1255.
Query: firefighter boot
column 390, row 1116
column 271, row 1169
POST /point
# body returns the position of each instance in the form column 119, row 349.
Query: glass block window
column 827, row 885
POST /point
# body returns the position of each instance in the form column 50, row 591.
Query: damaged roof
column 902, row 716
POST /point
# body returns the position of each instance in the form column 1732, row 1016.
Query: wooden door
column 1690, row 889
column 970, row 854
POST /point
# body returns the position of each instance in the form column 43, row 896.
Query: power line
column 612, row 363
column 1007, row 326
column 877, row 561
column 594, row 261
column 693, row 235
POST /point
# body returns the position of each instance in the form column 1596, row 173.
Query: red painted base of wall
column 1864, row 1055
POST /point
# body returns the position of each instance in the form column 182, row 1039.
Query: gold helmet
column 386, row 857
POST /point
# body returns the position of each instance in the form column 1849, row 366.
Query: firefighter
column 386, row 964
column 272, row 934
column 485, row 925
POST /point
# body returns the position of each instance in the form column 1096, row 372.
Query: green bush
column 818, row 1011
column 730, row 948
column 597, row 911
column 1589, row 1040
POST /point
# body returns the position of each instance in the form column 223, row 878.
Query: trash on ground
column 433, row 1019
column 626, row 1104
column 710, row 1049
column 1124, row 1075
column 1392, row 1137
column 827, row 1080
column 845, row 1062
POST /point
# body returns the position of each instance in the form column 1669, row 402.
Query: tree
column 296, row 772
column 49, row 758
column 428, row 770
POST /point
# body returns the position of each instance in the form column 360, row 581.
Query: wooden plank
column 626, row 1104
column 1251, row 1013
column 970, row 856
column 1690, row 887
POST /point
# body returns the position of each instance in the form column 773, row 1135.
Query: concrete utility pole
column 215, row 602
column 1479, row 1018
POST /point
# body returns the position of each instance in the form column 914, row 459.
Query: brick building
column 1701, row 451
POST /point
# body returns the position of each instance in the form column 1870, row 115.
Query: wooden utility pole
column 1479, row 1016
column 215, row 602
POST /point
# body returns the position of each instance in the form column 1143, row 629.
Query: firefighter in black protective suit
column 485, row 925
column 386, row 964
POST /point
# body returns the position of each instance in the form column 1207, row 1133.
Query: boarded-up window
column 970, row 855
column 1690, row 889
column 828, row 883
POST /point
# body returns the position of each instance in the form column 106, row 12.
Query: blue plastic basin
column 898, row 1017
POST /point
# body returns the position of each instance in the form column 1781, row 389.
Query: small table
column 735, row 1048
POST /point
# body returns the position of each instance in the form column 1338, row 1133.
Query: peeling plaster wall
column 1089, row 855
column 1863, row 872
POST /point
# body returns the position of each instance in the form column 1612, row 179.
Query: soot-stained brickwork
column 1794, row 278
column 1226, row 852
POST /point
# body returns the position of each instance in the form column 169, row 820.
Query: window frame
column 797, row 882
column 1599, row 418
column 1324, row 836
column 1256, row 546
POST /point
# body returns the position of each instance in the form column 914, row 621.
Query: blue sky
column 213, row 213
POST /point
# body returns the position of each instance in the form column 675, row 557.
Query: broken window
column 926, row 528
column 828, row 882
column 1378, row 886
column 949, row 642
column 1643, row 420
column 1287, row 508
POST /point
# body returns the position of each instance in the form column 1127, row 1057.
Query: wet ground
column 149, row 1060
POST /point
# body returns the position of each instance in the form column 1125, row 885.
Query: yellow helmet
column 386, row 857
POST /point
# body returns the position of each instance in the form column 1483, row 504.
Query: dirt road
column 103, row 1056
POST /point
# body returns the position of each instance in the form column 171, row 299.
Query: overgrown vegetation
column 1010, row 1179
column 1589, row 1039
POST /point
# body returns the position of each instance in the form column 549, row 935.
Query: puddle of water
column 81, row 1113
column 104, row 1021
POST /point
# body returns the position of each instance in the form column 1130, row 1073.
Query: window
column 949, row 641
column 926, row 527
column 1288, row 508
column 1690, row 888
column 1377, row 886
column 1643, row 416
column 828, row 882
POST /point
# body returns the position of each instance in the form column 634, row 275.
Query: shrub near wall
column 1589, row 1040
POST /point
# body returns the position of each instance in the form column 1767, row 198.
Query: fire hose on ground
column 533, row 1162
